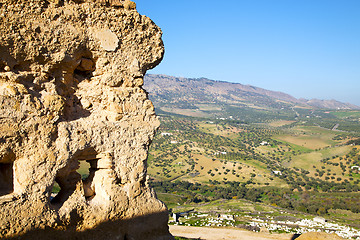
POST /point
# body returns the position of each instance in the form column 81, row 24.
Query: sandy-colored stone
column 108, row 40
column 71, row 75
column 319, row 236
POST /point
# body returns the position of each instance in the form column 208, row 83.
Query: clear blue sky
column 307, row 48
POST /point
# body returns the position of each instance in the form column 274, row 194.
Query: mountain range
column 202, row 94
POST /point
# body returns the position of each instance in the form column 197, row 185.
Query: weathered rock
column 71, row 75
column 319, row 236
column 108, row 40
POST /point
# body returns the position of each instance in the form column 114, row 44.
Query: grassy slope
column 297, row 147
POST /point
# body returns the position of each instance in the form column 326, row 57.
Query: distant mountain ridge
column 164, row 89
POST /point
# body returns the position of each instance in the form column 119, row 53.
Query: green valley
column 283, row 154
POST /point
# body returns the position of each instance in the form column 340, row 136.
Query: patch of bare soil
column 206, row 233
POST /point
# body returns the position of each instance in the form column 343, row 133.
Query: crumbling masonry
column 71, row 76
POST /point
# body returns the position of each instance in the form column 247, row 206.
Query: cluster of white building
column 203, row 220
column 308, row 225
column 316, row 224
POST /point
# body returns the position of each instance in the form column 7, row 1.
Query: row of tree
column 310, row 202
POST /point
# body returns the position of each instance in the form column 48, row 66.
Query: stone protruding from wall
column 71, row 76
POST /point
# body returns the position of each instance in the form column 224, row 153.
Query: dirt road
column 205, row 233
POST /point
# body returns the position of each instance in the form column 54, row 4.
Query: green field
column 346, row 114
column 202, row 150
column 260, row 162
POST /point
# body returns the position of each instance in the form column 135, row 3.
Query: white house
column 319, row 219
column 223, row 153
column 166, row 134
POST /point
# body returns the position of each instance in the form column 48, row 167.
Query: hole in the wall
column 54, row 196
column 88, row 184
column 81, row 167
column 64, row 186
column 6, row 178
column 7, row 172
column 87, row 172
column 55, row 190
column 87, row 160
column 84, row 169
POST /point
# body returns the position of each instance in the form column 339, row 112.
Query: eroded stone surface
column 67, row 97
column 319, row 236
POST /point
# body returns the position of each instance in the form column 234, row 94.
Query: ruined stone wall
column 71, row 76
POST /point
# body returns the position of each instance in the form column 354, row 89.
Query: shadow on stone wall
column 295, row 236
column 138, row 228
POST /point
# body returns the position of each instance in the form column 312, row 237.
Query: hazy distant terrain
column 204, row 97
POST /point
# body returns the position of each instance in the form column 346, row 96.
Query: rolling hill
column 203, row 97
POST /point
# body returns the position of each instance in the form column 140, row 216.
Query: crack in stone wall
column 71, row 76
